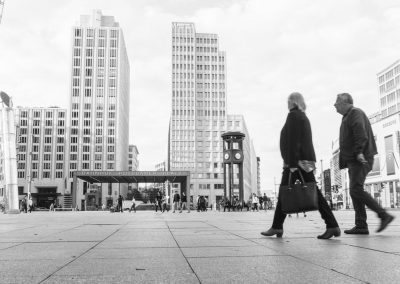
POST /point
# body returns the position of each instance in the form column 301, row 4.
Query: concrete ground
column 207, row 247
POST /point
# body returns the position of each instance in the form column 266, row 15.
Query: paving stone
column 46, row 251
column 264, row 269
column 100, row 247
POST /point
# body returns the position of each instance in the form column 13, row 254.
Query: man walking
column 158, row 200
column 265, row 202
column 177, row 198
column 120, row 209
column 357, row 150
column 184, row 202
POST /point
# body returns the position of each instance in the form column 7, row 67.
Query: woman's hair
column 296, row 99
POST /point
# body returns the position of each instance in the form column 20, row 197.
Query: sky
column 317, row 48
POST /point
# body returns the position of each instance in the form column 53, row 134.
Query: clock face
column 238, row 156
column 226, row 156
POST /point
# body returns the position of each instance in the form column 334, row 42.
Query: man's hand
column 361, row 158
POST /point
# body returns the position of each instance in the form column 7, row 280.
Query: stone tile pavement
column 196, row 247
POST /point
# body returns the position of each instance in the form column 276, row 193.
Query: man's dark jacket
column 296, row 139
column 177, row 197
column 356, row 137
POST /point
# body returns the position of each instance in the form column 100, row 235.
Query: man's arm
column 360, row 136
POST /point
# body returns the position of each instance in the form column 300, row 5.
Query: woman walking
column 298, row 155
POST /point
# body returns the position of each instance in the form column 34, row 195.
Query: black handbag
column 299, row 196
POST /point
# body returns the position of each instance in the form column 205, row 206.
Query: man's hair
column 297, row 99
column 346, row 98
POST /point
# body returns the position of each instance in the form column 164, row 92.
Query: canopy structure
column 182, row 177
column 132, row 177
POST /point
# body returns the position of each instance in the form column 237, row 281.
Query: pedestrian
column 164, row 203
column 133, row 206
column 255, row 202
column 120, row 199
column 260, row 202
column 52, row 207
column 23, row 205
column 184, row 203
column 159, row 200
column 226, row 204
column 265, row 202
column 298, row 155
column 30, row 204
column 176, row 200
column 357, row 150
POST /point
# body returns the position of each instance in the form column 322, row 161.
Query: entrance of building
column 45, row 197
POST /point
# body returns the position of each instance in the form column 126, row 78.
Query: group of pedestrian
column 180, row 202
column 259, row 202
column 357, row 150
column 161, row 202
column 27, row 204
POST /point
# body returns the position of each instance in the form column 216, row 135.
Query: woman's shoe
column 329, row 233
column 272, row 231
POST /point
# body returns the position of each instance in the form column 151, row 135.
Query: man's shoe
column 272, row 231
column 384, row 222
column 329, row 233
column 357, row 231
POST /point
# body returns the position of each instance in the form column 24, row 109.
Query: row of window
column 112, row 92
column 48, row 114
column 98, row 140
column 211, row 67
column 45, row 174
column 90, row 32
column 87, row 114
column 90, row 42
column 112, row 82
column 100, row 62
column 390, row 98
column 37, row 122
column 213, row 86
column 206, row 76
column 200, row 122
column 89, row 52
column 180, row 39
column 176, row 48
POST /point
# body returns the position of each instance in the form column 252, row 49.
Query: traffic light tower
column 233, row 158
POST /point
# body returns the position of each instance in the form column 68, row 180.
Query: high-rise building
column 199, row 111
column 99, row 104
column 41, row 155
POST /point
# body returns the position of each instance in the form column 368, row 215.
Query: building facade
column 42, row 155
column 199, row 112
column 133, row 158
column 99, row 106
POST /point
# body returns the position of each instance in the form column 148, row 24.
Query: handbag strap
column 290, row 178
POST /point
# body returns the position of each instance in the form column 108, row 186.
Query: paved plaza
column 195, row 247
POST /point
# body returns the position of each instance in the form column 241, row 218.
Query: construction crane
column 1, row 9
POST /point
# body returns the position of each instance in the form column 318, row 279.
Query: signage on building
column 129, row 173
